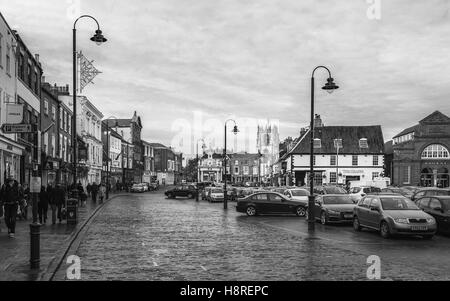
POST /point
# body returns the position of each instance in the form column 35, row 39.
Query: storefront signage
column 17, row 128
column 352, row 171
column 14, row 113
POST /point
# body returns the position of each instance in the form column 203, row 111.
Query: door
column 318, row 206
column 261, row 202
column 362, row 211
column 374, row 216
column 278, row 205
column 435, row 210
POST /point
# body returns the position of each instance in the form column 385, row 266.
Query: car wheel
column 428, row 237
column 300, row 211
column 323, row 218
column 356, row 224
column 384, row 230
column 190, row 196
column 251, row 211
column 171, row 196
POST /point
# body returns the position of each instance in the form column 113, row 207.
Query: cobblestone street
column 149, row 237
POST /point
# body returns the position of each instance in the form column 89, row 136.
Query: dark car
column 268, row 203
column 322, row 190
column 430, row 192
column 189, row 191
column 392, row 215
column 439, row 208
column 333, row 208
column 397, row 190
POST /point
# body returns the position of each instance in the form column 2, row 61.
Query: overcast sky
column 172, row 60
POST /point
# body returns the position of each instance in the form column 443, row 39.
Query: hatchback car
column 137, row 188
column 269, row 203
column 215, row 195
column 357, row 193
column 429, row 192
column 439, row 208
column 391, row 215
column 333, row 208
column 188, row 191
column 300, row 195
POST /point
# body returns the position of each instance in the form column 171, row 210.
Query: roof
column 122, row 123
column 434, row 118
column 350, row 136
column 408, row 131
column 157, row 145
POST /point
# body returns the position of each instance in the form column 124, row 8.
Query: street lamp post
column 330, row 86
column 198, row 168
column 99, row 39
column 235, row 131
column 108, row 150
column 259, row 167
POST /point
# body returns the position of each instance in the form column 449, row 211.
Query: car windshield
column 446, row 203
column 300, row 192
column 334, row 190
column 337, row 200
column 398, row 203
column 216, row 190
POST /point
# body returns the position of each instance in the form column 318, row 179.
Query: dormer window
column 317, row 143
column 363, row 143
column 337, row 143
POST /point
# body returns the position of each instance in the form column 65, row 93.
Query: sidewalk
column 15, row 253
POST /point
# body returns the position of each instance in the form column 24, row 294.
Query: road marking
column 203, row 268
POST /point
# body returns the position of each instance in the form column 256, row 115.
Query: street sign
column 17, row 128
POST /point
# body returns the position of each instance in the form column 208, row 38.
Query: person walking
column 94, row 192
column 10, row 196
column 43, row 205
column 26, row 200
column 101, row 192
column 58, row 199
column 88, row 189
column 81, row 195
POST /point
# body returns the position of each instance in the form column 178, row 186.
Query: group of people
column 15, row 200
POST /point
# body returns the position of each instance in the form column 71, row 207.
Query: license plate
column 419, row 228
column 348, row 216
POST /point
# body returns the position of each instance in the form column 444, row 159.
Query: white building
column 341, row 154
column 210, row 167
column 10, row 151
column 89, row 128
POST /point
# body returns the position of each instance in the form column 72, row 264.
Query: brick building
column 421, row 153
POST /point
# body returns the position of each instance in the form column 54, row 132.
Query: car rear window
column 335, row 200
column 300, row 192
column 334, row 190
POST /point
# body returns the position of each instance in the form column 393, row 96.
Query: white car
column 299, row 195
column 215, row 195
column 357, row 193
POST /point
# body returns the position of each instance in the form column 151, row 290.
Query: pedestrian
column 10, row 196
column 81, row 194
column 43, row 205
column 89, row 189
column 58, row 199
column 102, row 192
column 94, row 191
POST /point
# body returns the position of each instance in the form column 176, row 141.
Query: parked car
column 137, row 188
column 204, row 193
column 154, row 186
column 439, row 208
column 188, row 191
column 430, row 192
column 279, row 190
column 322, row 190
column 333, row 208
column 397, row 190
column 215, row 195
column 357, row 193
column 392, row 215
column 300, row 195
column 268, row 203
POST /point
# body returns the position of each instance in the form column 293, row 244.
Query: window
column 236, row 170
column 53, row 113
column 333, row 160
column 64, row 126
column 8, row 60
column 375, row 175
column 435, row 151
column 314, row 160
column 406, row 174
column 355, row 160
column 46, row 143
column 423, row 203
column 275, row 198
column 53, row 150
column 365, row 203
column 36, row 82
column 333, row 177
column 246, row 170
column 318, row 179
column 363, row 143
column 46, row 107
column 338, row 143
column 30, row 79
column 375, row 161
column 317, row 143
column 1, row 50
column 22, row 67
column 60, row 146
column 255, row 171
column 260, row 197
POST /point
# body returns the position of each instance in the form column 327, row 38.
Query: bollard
column 72, row 211
column 35, row 257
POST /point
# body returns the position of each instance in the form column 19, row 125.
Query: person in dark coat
column 82, row 196
column 43, row 205
column 9, row 198
column 94, row 191
column 58, row 200
column 89, row 189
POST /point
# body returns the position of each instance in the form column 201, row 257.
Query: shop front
column 11, row 160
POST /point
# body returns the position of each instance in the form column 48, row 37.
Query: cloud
column 251, row 59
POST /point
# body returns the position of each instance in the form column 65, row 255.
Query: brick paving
column 15, row 253
column 149, row 237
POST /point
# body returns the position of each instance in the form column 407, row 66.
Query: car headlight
column 333, row 212
column 401, row 220
column 431, row 220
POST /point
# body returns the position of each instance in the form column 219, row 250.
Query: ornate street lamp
column 198, row 167
column 330, row 86
column 235, row 132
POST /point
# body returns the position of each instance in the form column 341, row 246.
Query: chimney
column 36, row 56
column 318, row 121
column 302, row 132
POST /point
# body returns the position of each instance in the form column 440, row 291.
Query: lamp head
column 98, row 38
column 235, row 130
column 330, row 86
